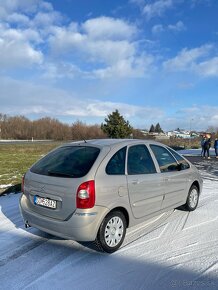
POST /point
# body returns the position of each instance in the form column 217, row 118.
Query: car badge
column 42, row 188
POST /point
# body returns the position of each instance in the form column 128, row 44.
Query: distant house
column 158, row 136
column 154, row 135
column 144, row 132
column 184, row 134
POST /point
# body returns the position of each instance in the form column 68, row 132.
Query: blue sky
column 154, row 61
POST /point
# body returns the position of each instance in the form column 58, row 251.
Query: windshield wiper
column 56, row 173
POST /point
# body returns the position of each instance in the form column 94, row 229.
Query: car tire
column 112, row 232
column 192, row 198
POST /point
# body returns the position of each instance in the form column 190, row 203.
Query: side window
column 165, row 160
column 116, row 165
column 140, row 161
column 184, row 164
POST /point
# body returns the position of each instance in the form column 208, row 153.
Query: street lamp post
column 190, row 132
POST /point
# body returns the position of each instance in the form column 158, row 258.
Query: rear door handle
column 135, row 181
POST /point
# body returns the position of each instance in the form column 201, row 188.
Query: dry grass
column 15, row 159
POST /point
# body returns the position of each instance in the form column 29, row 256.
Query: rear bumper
column 82, row 226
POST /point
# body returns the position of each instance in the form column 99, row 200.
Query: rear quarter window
column 116, row 165
column 68, row 161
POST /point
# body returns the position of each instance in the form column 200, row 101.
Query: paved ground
column 207, row 165
column 180, row 253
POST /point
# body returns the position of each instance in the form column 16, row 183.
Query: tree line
column 21, row 128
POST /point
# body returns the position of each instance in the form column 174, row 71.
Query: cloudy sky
column 154, row 61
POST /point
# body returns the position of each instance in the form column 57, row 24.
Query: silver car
column 94, row 190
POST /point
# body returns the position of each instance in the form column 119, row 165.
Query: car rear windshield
column 68, row 161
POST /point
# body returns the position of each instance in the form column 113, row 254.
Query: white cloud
column 16, row 49
column 19, row 42
column 48, row 19
column 197, row 60
column 31, row 109
column 31, row 13
column 198, row 117
column 18, row 54
column 97, row 108
column 129, row 68
column 108, row 28
column 26, row 97
column 104, row 39
column 187, row 59
column 208, row 68
column 31, row 35
column 18, row 18
column 64, row 39
column 42, row 100
column 105, row 42
column 22, row 35
column 159, row 28
column 25, row 6
column 201, row 117
column 100, row 47
column 157, row 8
column 109, row 52
column 179, row 26
column 61, row 70
column 139, row 67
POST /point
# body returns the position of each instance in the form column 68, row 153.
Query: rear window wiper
column 61, row 174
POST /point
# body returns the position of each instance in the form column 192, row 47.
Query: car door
column 175, row 186
column 145, row 186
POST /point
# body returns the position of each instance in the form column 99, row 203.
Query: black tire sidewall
column 101, row 232
column 187, row 205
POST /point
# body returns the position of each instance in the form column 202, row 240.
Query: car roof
column 112, row 142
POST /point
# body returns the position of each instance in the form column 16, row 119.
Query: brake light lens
column 85, row 197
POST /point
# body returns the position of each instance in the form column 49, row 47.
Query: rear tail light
column 85, row 197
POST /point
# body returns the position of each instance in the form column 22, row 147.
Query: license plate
column 46, row 202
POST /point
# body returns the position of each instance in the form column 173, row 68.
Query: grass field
column 15, row 159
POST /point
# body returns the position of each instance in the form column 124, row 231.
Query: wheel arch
column 196, row 183
column 124, row 211
column 100, row 241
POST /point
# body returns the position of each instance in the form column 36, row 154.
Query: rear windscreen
column 69, row 161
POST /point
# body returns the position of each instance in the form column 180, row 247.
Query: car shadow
column 14, row 216
column 16, row 188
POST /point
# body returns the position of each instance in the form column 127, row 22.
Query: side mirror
column 172, row 167
column 179, row 167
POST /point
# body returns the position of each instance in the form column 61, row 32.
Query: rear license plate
column 46, row 202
